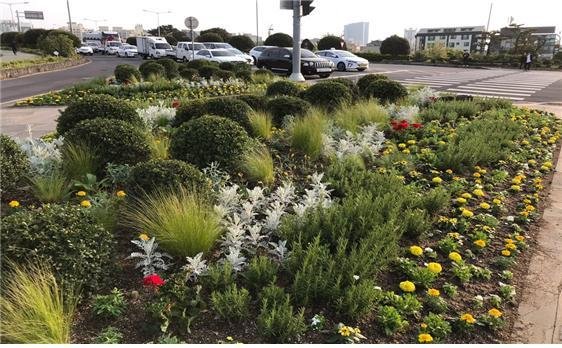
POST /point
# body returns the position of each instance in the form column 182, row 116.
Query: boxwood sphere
column 96, row 106
column 328, row 95
column 255, row 101
column 386, row 91
column 209, row 139
column 282, row 87
column 152, row 68
column 190, row 110
column 170, row 67
column 188, row 73
column 161, row 174
column 231, row 108
column 366, row 80
column 115, row 141
column 127, row 73
column 281, row 106
column 13, row 164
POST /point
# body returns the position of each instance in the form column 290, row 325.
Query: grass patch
column 78, row 160
column 50, row 188
column 257, row 164
column 306, row 133
column 261, row 123
column 159, row 146
column 352, row 116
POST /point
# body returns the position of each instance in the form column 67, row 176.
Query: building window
column 465, row 37
column 430, row 38
column 443, row 37
column 453, row 36
column 430, row 45
column 457, row 43
column 451, row 44
column 466, row 44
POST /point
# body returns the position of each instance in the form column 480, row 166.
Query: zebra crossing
column 516, row 86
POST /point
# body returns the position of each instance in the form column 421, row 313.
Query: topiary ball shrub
column 152, row 69
column 349, row 84
column 170, row 66
column 188, row 73
column 366, row 80
column 199, row 63
column 231, row 108
column 244, row 75
column 13, row 165
column 227, row 66
column 282, row 87
column 328, row 95
column 208, row 71
column 210, row 139
column 279, row 107
column 224, row 75
column 255, row 101
column 190, row 110
column 162, row 174
column 127, row 73
column 386, row 91
column 115, row 141
column 66, row 237
column 96, row 106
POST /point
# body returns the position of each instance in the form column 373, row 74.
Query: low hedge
column 328, row 95
column 13, row 165
column 281, row 106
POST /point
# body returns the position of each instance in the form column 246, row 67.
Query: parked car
column 256, row 52
column 185, row 50
column 344, row 60
column 95, row 45
column 127, row 51
column 219, row 55
column 279, row 60
column 241, row 54
column 85, row 50
column 213, row 45
column 154, row 47
column 111, row 47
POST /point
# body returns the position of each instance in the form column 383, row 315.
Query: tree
column 57, row 42
column 171, row 40
column 75, row 40
column 279, row 39
column 395, row 46
column 308, row 45
column 242, row 42
column 10, row 36
column 225, row 35
column 169, row 32
column 132, row 40
column 331, row 41
column 31, row 37
column 209, row 37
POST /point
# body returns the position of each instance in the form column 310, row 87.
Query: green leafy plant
column 328, row 95
column 364, row 81
column 218, row 276
column 109, row 335
column 387, row 91
column 170, row 67
column 437, row 326
column 111, row 305
column 358, row 300
column 13, row 164
column 257, row 164
column 127, row 73
column 282, row 106
column 352, row 116
column 159, row 146
column 279, row 323
column 261, row 271
column 390, row 320
column 152, row 69
column 78, row 160
column 232, row 303
column 283, row 87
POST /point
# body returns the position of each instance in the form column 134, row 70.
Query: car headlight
column 305, row 63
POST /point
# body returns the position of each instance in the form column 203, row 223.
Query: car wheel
column 341, row 66
column 361, row 69
column 255, row 60
column 324, row 75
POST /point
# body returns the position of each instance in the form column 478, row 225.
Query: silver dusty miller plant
column 150, row 259
column 367, row 142
column 44, row 157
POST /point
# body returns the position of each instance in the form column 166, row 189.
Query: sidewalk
column 540, row 309
column 15, row 121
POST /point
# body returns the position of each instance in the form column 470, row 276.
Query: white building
column 459, row 38
column 410, row 35
column 356, row 33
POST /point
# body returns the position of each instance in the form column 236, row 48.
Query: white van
column 185, row 50
column 153, row 47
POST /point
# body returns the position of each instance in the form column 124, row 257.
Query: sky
column 239, row 16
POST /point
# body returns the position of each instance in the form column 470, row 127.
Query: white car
column 96, row 46
column 85, row 49
column 213, row 45
column 127, row 51
column 219, row 55
column 344, row 60
column 111, row 47
column 256, row 52
column 185, row 50
column 241, row 54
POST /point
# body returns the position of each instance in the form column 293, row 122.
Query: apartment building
column 459, row 38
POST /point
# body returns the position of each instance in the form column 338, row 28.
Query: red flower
column 397, row 126
column 153, row 280
column 417, row 125
column 176, row 104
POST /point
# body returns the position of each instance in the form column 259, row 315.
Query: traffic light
column 306, row 8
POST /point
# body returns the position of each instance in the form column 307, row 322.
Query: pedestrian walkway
column 16, row 121
column 443, row 80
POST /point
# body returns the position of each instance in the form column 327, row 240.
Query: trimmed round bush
column 66, row 237
column 170, row 66
column 208, row 71
column 190, row 110
column 245, row 75
column 231, row 108
column 96, row 106
column 281, row 106
column 349, row 84
column 386, row 91
column 115, row 141
column 366, row 80
column 152, row 68
column 210, row 139
column 13, row 164
column 127, row 73
column 188, row 73
column 227, row 66
column 224, row 75
column 282, row 87
column 256, row 102
column 162, row 174
column 328, row 94
column 199, row 63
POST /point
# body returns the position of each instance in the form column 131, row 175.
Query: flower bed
column 31, row 66
column 402, row 223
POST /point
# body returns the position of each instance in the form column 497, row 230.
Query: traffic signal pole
column 296, row 73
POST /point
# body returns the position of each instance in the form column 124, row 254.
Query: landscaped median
column 20, row 68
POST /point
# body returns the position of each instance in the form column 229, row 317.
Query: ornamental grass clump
column 35, row 307
column 307, row 133
column 78, row 160
column 352, row 116
column 261, row 123
column 257, row 164
column 183, row 222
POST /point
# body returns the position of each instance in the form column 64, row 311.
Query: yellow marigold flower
column 425, row 338
column 482, row 171
column 416, row 250
column 484, row 205
column 86, row 203
column 527, row 201
column 434, row 267
column 449, row 171
column 508, row 240
column 461, row 200
column 344, row 331
column 516, row 188
column 467, row 213
column 406, row 151
column 506, row 252
column 520, row 238
column 423, row 325
column 529, row 208
column 14, row 204
column 494, row 312
column 466, row 195
column 120, row 194
column 480, row 243
column 411, row 142
column 454, row 256
column 468, row 318
column 436, row 180
column 407, row 286
column 532, row 162
column 524, row 213
column 144, row 237
column 478, row 193
column 516, row 180
column 476, row 175
column 433, row 292
column 81, row 193
column 547, row 164
column 401, row 146
column 510, row 246
column 357, row 331
column 496, row 201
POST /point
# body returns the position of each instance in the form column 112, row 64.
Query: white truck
column 186, row 50
column 154, row 47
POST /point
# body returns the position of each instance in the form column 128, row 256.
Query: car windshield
column 197, row 46
column 307, row 54
column 115, row 44
column 235, row 51
column 222, row 54
column 162, row 46
column 129, row 47
column 345, row 54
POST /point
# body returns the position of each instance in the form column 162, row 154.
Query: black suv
column 279, row 60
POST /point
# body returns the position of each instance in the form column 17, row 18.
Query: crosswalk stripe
column 492, row 84
column 522, row 84
column 489, row 92
column 502, row 88
column 491, row 96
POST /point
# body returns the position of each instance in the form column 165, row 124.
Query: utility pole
column 296, row 74
column 485, row 37
column 10, row 4
column 158, row 13
column 69, row 18
column 257, row 26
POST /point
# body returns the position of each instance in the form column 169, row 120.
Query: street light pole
column 10, row 4
column 257, row 27
column 157, row 13
column 69, row 18
column 296, row 74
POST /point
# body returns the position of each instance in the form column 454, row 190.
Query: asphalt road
column 532, row 86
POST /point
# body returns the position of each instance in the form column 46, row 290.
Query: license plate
column 323, row 69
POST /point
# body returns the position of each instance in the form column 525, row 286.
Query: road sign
column 33, row 14
column 191, row 23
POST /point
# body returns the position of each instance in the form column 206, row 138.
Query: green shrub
column 224, row 75
column 306, row 133
column 13, row 165
column 227, row 66
column 57, row 42
column 111, row 305
column 190, row 110
column 282, row 106
column 199, row 63
column 349, row 84
column 283, row 87
column 365, row 81
column 78, row 160
column 261, row 124
column 352, row 116
column 358, row 300
column 244, row 75
column 386, row 91
column 188, row 73
column 127, row 73
column 255, row 101
column 183, row 222
column 437, row 326
column 272, row 295
column 328, row 95
column 218, row 276
column 96, row 106
column 65, row 237
column 257, row 164
column 170, row 67
column 450, row 110
column 230, row 108
column 279, row 323
column 152, row 69
column 261, row 272
column 147, row 177
column 208, row 71
column 486, row 104
column 116, row 141
column 35, row 308
column 231, row 304
column 416, row 223
column 109, row 335
column 209, row 139
column 390, row 320
column 434, row 201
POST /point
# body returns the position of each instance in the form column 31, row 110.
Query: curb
column 85, row 62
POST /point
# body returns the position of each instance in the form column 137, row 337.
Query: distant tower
column 357, row 33
column 410, row 35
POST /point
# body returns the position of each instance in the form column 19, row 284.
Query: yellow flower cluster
column 454, row 256
column 478, row 193
column 468, row 318
column 467, row 213
column 144, row 237
column 347, row 331
column 434, row 267
column 480, row 243
column 494, row 312
column 81, row 194
column 433, row 292
column 485, row 206
column 416, row 250
column 437, row 180
column 85, row 203
column 407, row 286
column 120, row 194
column 14, row 204
column 425, row 338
